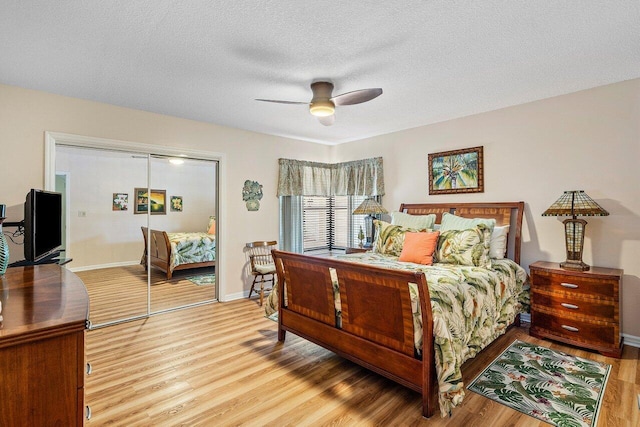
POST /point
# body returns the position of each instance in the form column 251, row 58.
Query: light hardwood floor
column 220, row 364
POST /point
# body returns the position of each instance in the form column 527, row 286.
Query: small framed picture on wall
column 120, row 201
column 176, row 203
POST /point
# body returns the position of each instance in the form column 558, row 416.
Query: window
column 312, row 218
column 328, row 223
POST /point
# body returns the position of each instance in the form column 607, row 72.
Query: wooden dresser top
column 554, row 267
column 39, row 299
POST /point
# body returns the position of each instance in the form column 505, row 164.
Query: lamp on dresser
column 575, row 203
column 370, row 208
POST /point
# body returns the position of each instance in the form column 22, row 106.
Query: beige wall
column 589, row 140
column 26, row 114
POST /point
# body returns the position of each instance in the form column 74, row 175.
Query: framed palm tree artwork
column 457, row 171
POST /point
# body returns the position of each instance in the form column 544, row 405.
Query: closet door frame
column 53, row 139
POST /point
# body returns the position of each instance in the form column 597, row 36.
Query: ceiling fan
column 323, row 105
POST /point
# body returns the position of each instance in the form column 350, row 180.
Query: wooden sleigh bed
column 376, row 325
column 160, row 253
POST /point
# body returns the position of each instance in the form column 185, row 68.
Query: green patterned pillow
column 455, row 222
column 390, row 238
column 465, row 247
column 418, row 222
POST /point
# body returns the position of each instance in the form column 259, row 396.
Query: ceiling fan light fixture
column 322, row 108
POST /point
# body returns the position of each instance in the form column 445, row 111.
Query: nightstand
column 581, row 308
column 356, row 250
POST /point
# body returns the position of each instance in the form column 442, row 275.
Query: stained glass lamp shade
column 370, row 208
column 575, row 203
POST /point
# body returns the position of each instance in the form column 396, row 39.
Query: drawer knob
column 87, row 413
column 89, row 368
column 570, row 328
column 571, row 306
column 568, row 285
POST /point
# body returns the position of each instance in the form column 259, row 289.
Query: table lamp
column 370, row 208
column 575, row 203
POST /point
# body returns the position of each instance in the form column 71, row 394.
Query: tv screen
column 42, row 224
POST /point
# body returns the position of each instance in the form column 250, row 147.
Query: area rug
column 203, row 279
column 554, row 387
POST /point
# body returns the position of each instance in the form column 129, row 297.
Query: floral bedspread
column 471, row 307
column 188, row 248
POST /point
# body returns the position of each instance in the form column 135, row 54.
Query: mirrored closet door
column 140, row 228
column 182, row 235
column 103, row 237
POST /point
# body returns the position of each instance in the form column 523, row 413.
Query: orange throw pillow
column 419, row 247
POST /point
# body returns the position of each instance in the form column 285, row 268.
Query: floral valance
column 356, row 178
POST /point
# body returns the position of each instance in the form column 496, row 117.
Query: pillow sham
column 389, row 238
column 465, row 247
column 418, row 222
column 419, row 247
column 211, row 228
column 498, row 244
column 455, row 222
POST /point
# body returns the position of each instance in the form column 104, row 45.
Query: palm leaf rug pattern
column 554, row 387
column 203, row 280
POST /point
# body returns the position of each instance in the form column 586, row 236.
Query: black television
column 42, row 225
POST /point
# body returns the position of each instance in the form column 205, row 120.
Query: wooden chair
column 263, row 269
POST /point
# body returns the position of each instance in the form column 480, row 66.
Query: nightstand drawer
column 565, row 305
column 583, row 286
column 593, row 333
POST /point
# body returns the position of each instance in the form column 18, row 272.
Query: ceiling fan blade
column 282, row 102
column 327, row 120
column 357, row 96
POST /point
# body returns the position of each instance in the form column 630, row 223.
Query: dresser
column 581, row 308
column 42, row 366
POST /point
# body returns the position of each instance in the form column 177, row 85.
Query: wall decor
column 251, row 194
column 457, row 171
column 120, row 201
column 176, row 203
column 157, row 200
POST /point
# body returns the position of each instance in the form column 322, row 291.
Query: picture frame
column 157, row 200
column 176, row 203
column 456, row 171
column 120, row 201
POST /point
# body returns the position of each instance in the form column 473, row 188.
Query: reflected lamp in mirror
column 575, row 203
column 370, row 208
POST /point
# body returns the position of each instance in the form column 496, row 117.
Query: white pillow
column 498, row 244
column 418, row 222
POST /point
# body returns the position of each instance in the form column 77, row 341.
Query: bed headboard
column 505, row 213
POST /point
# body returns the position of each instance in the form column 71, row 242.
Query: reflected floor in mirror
column 118, row 293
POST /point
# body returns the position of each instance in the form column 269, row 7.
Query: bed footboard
column 366, row 318
column 159, row 250
column 160, row 253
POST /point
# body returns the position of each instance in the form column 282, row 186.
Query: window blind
column 316, row 223
column 328, row 223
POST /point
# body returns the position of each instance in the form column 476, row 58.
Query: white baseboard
column 525, row 317
column 235, row 296
column 631, row 340
column 96, row 267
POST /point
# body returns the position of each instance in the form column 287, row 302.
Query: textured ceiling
column 208, row 60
